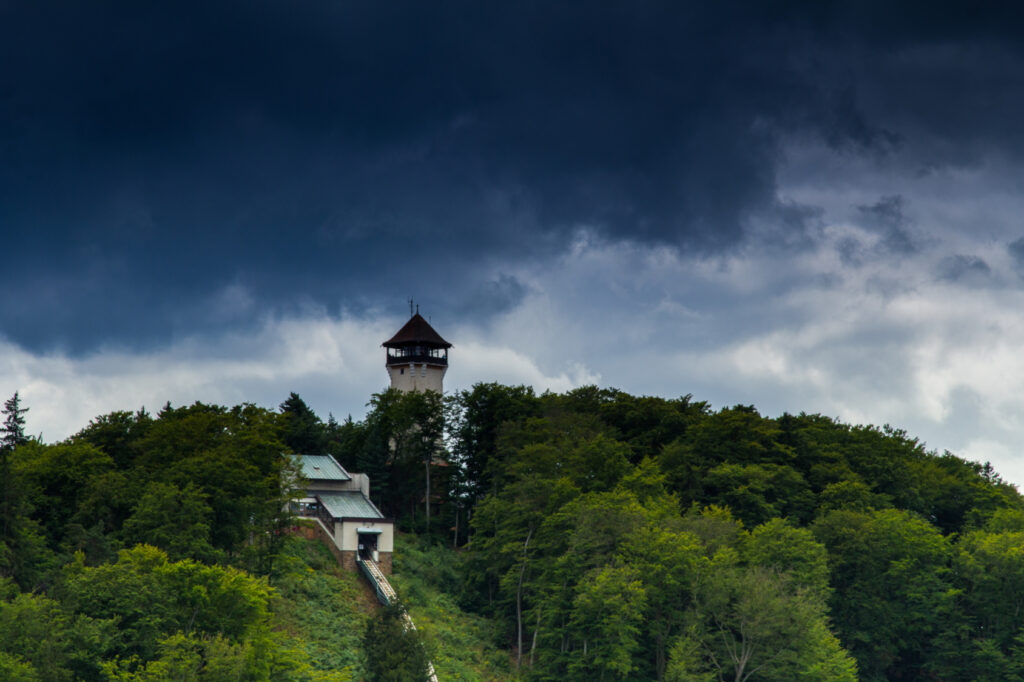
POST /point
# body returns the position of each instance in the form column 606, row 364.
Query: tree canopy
column 604, row 536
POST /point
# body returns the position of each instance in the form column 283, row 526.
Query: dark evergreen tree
column 394, row 651
column 12, row 434
column 21, row 546
column 475, row 419
column 374, row 460
column 304, row 433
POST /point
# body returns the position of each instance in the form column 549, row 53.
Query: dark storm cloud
column 154, row 156
column 960, row 267
column 889, row 218
column 1016, row 251
column 497, row 296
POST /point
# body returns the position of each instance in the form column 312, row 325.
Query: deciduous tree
column 753, row 623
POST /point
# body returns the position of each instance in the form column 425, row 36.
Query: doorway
column 368, row 546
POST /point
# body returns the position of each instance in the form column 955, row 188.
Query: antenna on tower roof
column 410, row 306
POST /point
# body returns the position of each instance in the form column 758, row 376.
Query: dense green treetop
column 741, row 546
column 606, row 536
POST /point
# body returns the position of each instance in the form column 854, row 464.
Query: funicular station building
column 340, row 503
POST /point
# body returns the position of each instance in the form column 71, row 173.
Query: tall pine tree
column 12, row 433
column 304, row 432
column 21, row 547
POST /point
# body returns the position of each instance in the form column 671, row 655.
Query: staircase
column 385, row 593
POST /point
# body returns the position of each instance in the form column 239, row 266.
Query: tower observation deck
column 417, row 357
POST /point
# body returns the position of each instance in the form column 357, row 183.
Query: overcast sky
column 810, row 208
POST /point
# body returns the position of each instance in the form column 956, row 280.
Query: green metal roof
column 322, row 468
column 349, row 504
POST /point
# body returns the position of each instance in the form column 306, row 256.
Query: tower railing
column 419, row 358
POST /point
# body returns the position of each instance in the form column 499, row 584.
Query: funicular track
column 385, row 592
column 386, row 595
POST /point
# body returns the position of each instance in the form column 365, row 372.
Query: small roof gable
column 416, row 332
column 349, row 504
column 322, row 468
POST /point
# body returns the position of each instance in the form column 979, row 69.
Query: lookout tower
column 417, row 357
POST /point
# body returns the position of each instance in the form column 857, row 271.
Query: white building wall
column 360, row 482
column 347, row 538
column 417, row 377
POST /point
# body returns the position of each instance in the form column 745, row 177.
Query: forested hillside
column 639, row 538
column 591, row 535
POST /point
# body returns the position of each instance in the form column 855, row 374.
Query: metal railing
column 419, row 358
column 385, row 593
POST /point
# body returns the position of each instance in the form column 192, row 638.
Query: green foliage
column 323, row 609
column 345, row 441
column 12, row 432
column 148, row 618
column 214, row 658
column 196, row 443
column 117, row 434
column 646, row 423
column 56, row 479
column 669, row 563
column 49, row 641
column 175, row 520
column 607, row 613
column 856, row 524
column 890, row 571
column 405, row 437
column 608, row 537
column 853, row 495
column 15, row 669
column 759, row 492
column 754, row 623
column 793, row 551
column 304, row 433
column 476, row 417
column 393, row 650
column 151, row 597
column 23, row 552
column 462, row 646
column 233, row 458
column 990, row 569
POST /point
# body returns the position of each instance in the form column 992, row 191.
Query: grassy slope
column 325, row 610
column 462, row 645
column 322, row 607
